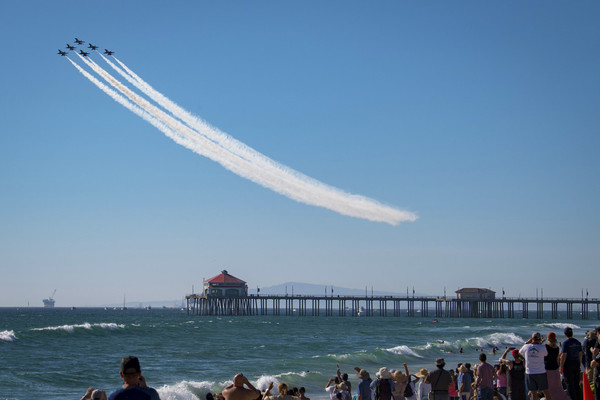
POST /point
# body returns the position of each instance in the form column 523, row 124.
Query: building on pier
column 475, row 294
column 225, row 285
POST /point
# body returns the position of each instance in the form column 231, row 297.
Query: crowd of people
column 551, row 370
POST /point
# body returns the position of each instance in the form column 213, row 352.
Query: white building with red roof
column 225, row 285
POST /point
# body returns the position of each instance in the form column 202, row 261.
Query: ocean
column 59, row 353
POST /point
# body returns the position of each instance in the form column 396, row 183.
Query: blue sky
column 482, row 117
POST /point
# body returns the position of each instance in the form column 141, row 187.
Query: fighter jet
column 79, row 41
column 110, row 53
column 62, row 53
column 83, row 53
column 91, row 46
column 70, row 47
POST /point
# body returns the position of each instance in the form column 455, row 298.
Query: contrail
column 135, row 109
column 198, row 144
column 243, row 160
column 201, row 126
column 213, row 133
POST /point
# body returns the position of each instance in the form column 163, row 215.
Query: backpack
column 383, row 392
column 408, row 390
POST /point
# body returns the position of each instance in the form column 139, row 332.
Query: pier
column 391, row 306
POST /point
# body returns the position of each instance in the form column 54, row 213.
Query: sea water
column 59, row 353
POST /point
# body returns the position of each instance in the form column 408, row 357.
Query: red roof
column 224, row 277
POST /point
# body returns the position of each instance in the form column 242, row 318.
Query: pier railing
column 396, row 306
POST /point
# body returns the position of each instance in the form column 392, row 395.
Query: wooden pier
column 429, row 307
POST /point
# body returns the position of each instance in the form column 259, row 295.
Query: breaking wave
column 560, row 325
column 8, row 336
column 185, row 390
column 403, row 351
column 87, row 326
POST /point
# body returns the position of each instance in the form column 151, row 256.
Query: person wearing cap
column 570, row 364
column 237, row 391
column 134, row 384
column 535, row 371
column 440, row 380
column 551, row 361
column 485, row 379
column 516, row 375
column 383, row 386
column 364, row 387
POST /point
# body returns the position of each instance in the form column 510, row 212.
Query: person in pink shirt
column 452, row 393
column 485, row 379
column 502, row 379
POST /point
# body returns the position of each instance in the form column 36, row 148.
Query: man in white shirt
column 535, row 371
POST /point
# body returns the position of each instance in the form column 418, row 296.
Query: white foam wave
column 87, row 326
column 185, row 390
column 8, row 336
column 403, row 351
column 262, row 382
column 497, row 339
column 560, row 325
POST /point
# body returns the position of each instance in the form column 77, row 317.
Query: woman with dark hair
column 502, row 378
column 551, row 361
column 516, row 375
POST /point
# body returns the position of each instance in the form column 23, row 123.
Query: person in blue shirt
column 134, row 384
column 364, row 387
column 570, row 364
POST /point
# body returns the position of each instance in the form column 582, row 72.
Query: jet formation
column 79, row 42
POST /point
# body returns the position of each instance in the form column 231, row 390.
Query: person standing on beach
column 440, row 380
column 590, row 341
column 595, row 366
column 516, row 374
column 464, row 383
column 551, row 362
column 237, row 391
column 485, row 379
column 344, row 379
column 570, row 364
column 502, row 380
column 332, row 387
column 535, row 370
column 423, row 387
column 364, row 387
column 383, row 386
column 134, row 384
column 400, row 382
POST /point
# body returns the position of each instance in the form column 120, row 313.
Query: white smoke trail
column 216, row 153
column 248, row 163
column 223, row 139
column 138, row 111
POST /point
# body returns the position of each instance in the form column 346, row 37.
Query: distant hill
column 296, row 288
